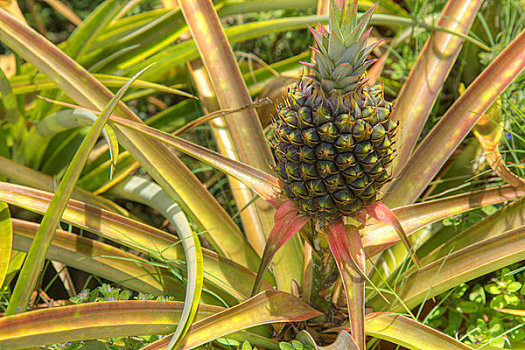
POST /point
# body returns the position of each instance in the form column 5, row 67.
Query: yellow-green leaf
column 6, row 240
column 409, row 333
column 267, row 307
column 92, row 321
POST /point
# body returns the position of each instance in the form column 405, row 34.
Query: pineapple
column 333, row 133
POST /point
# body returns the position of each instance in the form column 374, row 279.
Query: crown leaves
column 341, row 54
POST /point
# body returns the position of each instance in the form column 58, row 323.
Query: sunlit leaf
column 460, row 266
column 267, row 307
column 23, row 84
column 169, row 172
column 488, row 131
column 511, row 216
column 383, row 214
column 261, row 182
column 514, row 312
column 93, row 257
column 92, row 321
column 230, row 276
column 452, row 128
column 52, row 124
column 256, row 215
column 378, row 237
column 424, row 83
column 230, row 88
column 65, row 11
column 12, row 7
column 185, row 51
column 33, row 264
column 6, row 240
column 83, row 37
column 347, row 249
column 409, row 333
column 15, row 264
column 149, row 193
column 23, row 175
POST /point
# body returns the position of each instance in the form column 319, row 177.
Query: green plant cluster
column 471, row 313
column 105, row 292
column 294, row 345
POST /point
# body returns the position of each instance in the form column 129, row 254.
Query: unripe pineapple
column 334, row 134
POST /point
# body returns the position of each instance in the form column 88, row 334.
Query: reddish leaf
column 375, row 71
column 345, row 251
column 361, row 217
column 285, row 209
column 338, row 242
column 353, row 278
column 287, row 224
column 355, row 246
column 382, row 213
column 377, row 236
column 285, row 220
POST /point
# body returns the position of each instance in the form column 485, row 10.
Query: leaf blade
column 378, row 237
column 456, row 123
column 151, row 194
column 267, row 307
column 34, row 262
column 421, row 90
column 409, row 333
column 6, row 240
column 261, row 182
column 93, row 257
column 287, row 224
column 460, row 266
column 230, row 276
column 92, row 321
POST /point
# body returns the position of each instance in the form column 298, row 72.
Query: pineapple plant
column 334, row 135
column 217, row 302
column 333, row 143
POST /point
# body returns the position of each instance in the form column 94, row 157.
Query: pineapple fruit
column 333, row 133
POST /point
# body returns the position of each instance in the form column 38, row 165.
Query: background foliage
column 126, row 263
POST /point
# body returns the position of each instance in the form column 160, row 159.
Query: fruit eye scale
column 327, row 132
column 345, row 160
column 344, row 142
column 316, row 187
column 325, row 151
column 325, row 168
column 308, row 172
column 310, row 136
column 344, row 123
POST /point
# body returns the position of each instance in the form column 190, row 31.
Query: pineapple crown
column 341, row 53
